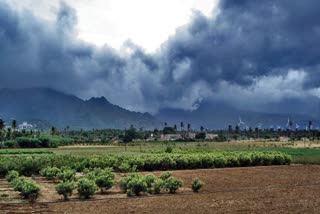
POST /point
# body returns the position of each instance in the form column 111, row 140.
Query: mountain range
column 62, row 110
column 48, row 107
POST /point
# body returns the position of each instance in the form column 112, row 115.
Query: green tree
column 175, row 127
column 12, row 175
column 53, row 130
column 65, row 189
column 105, row 181
column 2, row 125
column 86, row 188
column 130, row 135
column 14, row 125
column 172, row 184
column 201, row 136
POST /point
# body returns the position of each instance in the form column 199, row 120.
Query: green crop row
column 126, row 163
column 24, row 151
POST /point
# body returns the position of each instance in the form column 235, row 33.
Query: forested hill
column 63, row 110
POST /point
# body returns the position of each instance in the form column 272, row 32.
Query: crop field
column 237, row 177
column 273, row 189
column 301, row 152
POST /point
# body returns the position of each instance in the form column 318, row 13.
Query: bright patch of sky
column 147, row 23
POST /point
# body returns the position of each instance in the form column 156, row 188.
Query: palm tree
column 181, row 125
column 14, row 125
column 1, row 125
column 53, row 130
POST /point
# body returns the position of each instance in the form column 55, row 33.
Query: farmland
column 235, row 174
column 286, row 189
column 301, row 152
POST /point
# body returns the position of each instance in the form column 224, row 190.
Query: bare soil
column 274, row 189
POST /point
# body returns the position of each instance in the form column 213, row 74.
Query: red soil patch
column 275, row 189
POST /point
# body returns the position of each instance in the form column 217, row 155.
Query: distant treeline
column 35, row 139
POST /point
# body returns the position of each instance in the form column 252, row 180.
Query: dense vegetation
column 126, row 163
column 12, row 138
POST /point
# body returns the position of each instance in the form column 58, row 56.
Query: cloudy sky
column 150, row 54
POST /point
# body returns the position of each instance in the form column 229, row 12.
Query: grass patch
column 24, row 151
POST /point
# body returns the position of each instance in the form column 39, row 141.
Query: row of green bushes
column 24, row 151
column 45, row 141
column 133, row 184
column 127, row 163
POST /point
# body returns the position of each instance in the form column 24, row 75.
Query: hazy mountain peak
column 63, row 110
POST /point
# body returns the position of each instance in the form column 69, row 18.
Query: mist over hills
column 218, row 115
column 48, row 106
column 63, row 110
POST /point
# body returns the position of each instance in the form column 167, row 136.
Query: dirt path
column 276, row 189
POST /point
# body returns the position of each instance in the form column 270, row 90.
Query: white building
column 25, row 126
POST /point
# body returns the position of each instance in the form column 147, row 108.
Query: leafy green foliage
column 26, row 165
column 130, row 135
column 104, row 182
column 50, row 172
column 67, row 175
column 150, row 179
column 12, row 175
column 165, row 175
column 28, row 188
column 158, row 185
column 136, row 185
column 172, row 184
column 18, row 183
column 23, row 151
column 86, row 188
column 104, row 178
column 65, row 189
column 168, row 149
column 123, row 182
column 196, row 184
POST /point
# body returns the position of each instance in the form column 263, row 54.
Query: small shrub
column 30, row 190
column 150, row 178
column 168, row 149
column 158, row 185
column 105, row 182
column 12, row 175
column 172, row 184
column 86, row 188
column 50, row 172
column 18, row 183
column 136, row 186
column 67, row 175
column 125, row 180
column 196, row 184
column 165, row 175
column 65, row 189
column 133, row 184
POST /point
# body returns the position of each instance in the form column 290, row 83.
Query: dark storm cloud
column 253, row 47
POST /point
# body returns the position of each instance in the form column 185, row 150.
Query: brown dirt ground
column 274, row 189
